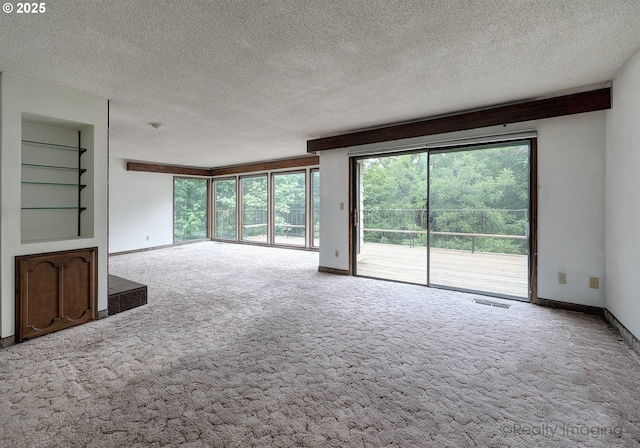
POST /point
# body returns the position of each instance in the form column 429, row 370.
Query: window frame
column 312, row 211
column 240, row 203
column 307, row 170
column 214, row 207
column 273, row 175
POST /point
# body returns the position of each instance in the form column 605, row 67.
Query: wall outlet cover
column 562, row 278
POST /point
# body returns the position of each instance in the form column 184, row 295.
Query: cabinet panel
column 42, row 293
column 55, row 291
column 76, row 281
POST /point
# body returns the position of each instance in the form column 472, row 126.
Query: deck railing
column 291, row 222
column 487, row 230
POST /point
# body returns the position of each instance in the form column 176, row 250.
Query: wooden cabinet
column 55, row 290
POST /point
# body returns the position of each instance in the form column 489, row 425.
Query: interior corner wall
column 571, row 156
column 623, row 199
column 21, row 96
column 140, row 206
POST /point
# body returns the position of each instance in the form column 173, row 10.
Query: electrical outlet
column 341, row 208
column 562, row 278
column 594, row 282
column 147, row 237
column 337, row 253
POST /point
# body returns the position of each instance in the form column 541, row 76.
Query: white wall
column 21, row 96
column 623, row 199
column 571, row 157
column 140, row 206
column 334, row 209
column 571, row 154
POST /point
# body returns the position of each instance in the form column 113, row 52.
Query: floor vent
column 490, row 303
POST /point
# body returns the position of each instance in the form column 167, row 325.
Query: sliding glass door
column 391, row 223
column 454, row 218
column 479, row 219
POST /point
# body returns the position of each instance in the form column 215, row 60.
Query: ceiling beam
column 514, row 113
column 265, row 166
column 298, row 162
column 167, row 169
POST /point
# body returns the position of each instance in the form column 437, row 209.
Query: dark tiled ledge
column 125, row 294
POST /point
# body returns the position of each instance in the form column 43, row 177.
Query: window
column 225, row 209
column 189, row 209
column 270, row 207
column 254, row 209
column 289, row 192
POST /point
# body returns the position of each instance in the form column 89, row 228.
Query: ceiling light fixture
column 156, row 125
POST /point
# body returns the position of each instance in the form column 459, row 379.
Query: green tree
column 475, row 191
column 225, row 209
column 289, row 204
column 190, row 209
column 395, row 196
column 254, row 206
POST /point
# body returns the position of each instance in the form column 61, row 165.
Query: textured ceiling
column 243, row 81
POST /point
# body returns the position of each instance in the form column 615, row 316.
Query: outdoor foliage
column 190, row 209
column 289, row 192
column 225, row 201
column 190, row 220
column 254, row 206
column 480, row 192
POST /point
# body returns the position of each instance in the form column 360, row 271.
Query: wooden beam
column 299, row 162
column 265, row 166
column 515, row 113
column 167, row 169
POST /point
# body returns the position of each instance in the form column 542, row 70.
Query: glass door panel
column 390, row 234
column 289, row 193
column 479, row 219
column 225, row 209
column 254, row 209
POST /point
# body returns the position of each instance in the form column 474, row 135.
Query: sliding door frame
column 311, row 216
column 354, row 213
column 533, row 220
column 532, row 274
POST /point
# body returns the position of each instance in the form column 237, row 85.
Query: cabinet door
column 55, row 291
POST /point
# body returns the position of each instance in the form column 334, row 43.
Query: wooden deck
column 500, row 274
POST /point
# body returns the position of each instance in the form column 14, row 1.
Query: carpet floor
column 244, row 346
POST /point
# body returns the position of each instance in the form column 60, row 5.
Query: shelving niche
column 55, row 177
